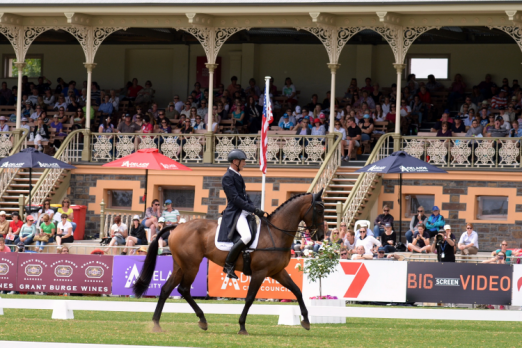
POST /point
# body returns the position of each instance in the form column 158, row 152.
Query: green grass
column 182, row 330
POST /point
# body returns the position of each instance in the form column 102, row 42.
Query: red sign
column 86, row 274
column 8, row 271
column 221, row 286
column 361, row 276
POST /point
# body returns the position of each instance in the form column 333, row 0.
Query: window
column 255, row 196
column 33, row 66
column 119, row 199
column 422, row 66
column 182, row 197
column 492, row 208
column 413, row 202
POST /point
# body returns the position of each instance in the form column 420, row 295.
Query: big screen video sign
column 459, row 283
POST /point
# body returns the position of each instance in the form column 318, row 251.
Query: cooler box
column 80, row 214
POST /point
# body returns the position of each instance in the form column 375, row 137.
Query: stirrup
column 229, row 270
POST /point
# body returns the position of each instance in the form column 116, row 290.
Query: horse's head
column 314, row 216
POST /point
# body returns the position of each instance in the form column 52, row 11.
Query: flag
column 268, row 117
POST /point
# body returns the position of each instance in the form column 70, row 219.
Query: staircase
column 338, row 190
column 18, row 186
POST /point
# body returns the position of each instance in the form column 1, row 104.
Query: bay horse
column 192, row 241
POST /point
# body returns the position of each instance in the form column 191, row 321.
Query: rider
column 238, row 207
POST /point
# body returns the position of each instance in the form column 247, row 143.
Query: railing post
column 208, row 156
column 102, row 219
column 21, row 203
column 339, row 212
column 396, row 142
column 331, row 138
column 86, row 153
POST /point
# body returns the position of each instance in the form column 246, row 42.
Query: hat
column 182, row 221
column 55, row 115
column 143, row 248
column 2, row 213
column 381, row 249
column 435, row 208
column 503, row 90
column 447, row 227
column 30, row 217
column 363, row 225
column 317, row 120
column 321, row 115
column 136, row 217
column 168, row 201
column 161, row 219
column 28, row 101
column 127, row 115
column 15, row 213
column 24, row 119
column 485, row 102
column 3, row 118
column 285, row 115
column 97, row 252
column 387, row 224
column 298, row 109
column 366, row 116
column 499, row 118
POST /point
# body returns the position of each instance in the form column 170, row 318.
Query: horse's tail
column 142, row 284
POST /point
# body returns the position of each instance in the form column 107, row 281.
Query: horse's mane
column 288, row 201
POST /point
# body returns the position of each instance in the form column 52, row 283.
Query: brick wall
column 490, row 234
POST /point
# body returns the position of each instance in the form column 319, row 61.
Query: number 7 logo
column 361, row 276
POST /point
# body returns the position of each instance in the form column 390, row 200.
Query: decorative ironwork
column 90, row 38
column 292, row 150
column 223, row 147
column 170, row 147
column 30, row 34
column 272, row 150
column 343, row 35
column 485, row 153
column 325, row 34
column 401, row 38
column 249, row 147
column 193, row 149
column 124, row 145
column 437, row 151
column 508, row 153
column 512, row 30
column 460, row 152
column 12, row 33
column 314, row 149
column 102, row 147
column 6, row 144
column 146, row 142
column 414, row 148
column 99, row 34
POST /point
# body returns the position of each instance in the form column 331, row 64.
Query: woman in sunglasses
column 46, row 209
column 152, row 215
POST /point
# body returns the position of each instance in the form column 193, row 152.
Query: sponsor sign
column 221, row 286
column 8, row 263
column 376, row 168
column 413, row 169
column 86, row 274
column 130, row 164
column 517, row 286
column 48, row 165
column 459, row 283
column 12, row 165
column 127, row 270
column 370, row 280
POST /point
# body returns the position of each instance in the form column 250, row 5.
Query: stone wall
column 490, row 234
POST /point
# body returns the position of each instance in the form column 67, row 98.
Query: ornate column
column 333, row 69
column 399, row 68
column 209, row 152
column 20, row 66
column 87, row 139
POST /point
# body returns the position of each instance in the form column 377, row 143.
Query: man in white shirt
column 361, row 254
column 368, row 242
column 468, row 243
column 34, row 97
column 178, row 104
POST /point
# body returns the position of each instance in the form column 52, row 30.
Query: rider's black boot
column 231, row 259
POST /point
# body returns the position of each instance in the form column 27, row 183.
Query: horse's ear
column 317, row 196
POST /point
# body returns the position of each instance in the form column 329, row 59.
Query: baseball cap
column 317, row 120
column 30, row 217
column 55, row 115
column 28, row 101
column 127, row 115
column 366, row 116
column 499, row 118
column 447, row 227
column 435, row 208
column 2, row 213
column 161, row 219
column 168, row 201
column 24, row 119
column 285, row 115
column 387, row 224
column 321, row 115
column 136, row 217
column 381, row 249
column 485, row 102
column 15, row 213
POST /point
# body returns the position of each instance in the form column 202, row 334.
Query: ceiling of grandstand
column 446, row 35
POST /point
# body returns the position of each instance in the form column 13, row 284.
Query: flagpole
column 267, row 118
column 263, row 192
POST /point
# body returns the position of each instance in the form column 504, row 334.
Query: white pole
column 265, row 106
column 263, row 193
column 20, row 66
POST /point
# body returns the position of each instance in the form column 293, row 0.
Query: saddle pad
column 226, row 246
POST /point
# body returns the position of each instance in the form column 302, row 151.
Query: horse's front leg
column 284, row 279
column 255, row 283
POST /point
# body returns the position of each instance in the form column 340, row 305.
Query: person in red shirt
column 133, row 90
column 14, row 228
column 4, row 248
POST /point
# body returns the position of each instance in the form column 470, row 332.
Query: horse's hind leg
column 284, row 279
column 166, row 290
column 184, row 290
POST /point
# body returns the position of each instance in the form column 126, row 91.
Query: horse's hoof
column 203, row 325
column 157, row 328
column 305, row 324
column 243, row 332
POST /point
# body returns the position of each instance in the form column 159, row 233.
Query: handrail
column 8, row 174
column 363, row 184
column 328, row 168
column 49, row 177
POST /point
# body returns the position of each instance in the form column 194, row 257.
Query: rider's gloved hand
column 259, row 213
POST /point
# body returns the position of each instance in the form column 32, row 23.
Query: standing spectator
column 435, row 222
column 456, row 91
column 145, row 95
column 14, row 228
column 137, row 235
column 289, row 92
column 353, row 137
column 232, row 87
column 445, row 249
column 420, row 218
column 468, row 243
column 132, row 91
column 389, row 238
column 421, row 241
column 6, row 96
column 152, row 214
column 4, row 225
column 119, row 232
column 27, row 232
column 4, row 248
column 368, row 242
column 382, row 220
column 64, row 231
column 47, row 230
column 254, row 114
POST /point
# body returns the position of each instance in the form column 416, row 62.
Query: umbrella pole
column 145, row 196
column 400, row 206
column 30, row 187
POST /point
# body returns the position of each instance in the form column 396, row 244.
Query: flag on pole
column 268, row 117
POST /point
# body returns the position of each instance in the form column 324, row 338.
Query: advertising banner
column 369, row 280
column 459, row 283
column 8, row 263
column 127, row 270
column 221, row 286
column 517, row 286
column 85, row 274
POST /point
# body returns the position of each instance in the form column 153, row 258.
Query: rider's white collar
column 232, row 169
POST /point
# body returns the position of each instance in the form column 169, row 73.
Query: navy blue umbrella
column 400, row 162
column 31, row 158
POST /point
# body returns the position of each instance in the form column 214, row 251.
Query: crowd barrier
column 369, row 280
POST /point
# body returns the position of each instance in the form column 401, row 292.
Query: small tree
column 323, row 264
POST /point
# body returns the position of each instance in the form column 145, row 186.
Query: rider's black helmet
column 236, row 154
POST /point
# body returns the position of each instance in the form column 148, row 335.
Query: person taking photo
column 444, row 245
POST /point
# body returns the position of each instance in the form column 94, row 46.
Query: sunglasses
column 420, row 211
column 344, row 254
column 504, row 244
column 468, row 228
column 386, row 211
column 381, row 252
column 156, row 204
column 361, row 231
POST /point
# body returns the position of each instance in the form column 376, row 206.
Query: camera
column 439, row 238
column 21, row 247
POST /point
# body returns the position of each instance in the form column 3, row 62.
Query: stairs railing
column 8, row 174
column 365, row 181
column 69, row 151
column 328, row 168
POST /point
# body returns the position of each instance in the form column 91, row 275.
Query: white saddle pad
column 226, row 246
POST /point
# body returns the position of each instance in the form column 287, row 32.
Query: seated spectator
column 145, row 95
column 4, row 225
column 171, row 113
column 468, row 243
column 142, row 251
column 106, row 108
column 306, row 243
column 302, row 128
column 289, row 92
column 127, row 126
column 14, row 228
column 4, row 248
column 421, row 241
column 344, row 254
column 499, row 102
column 66, row 209
column 4, row 127
column 238, row 114
column 199, row 124
column 435, row 222
column 63, row 250
column 163, row 126
column 139, row 114
column 438, row 125
column 339, row 129
column 152, row 214
column 170, row 214
column 420, row 218
column 285, row 123
column 388, row 238
column 64, row 231
column 33, row 98
column 164, row 240
column 470, row 105
column 458, row 126
column 368, row 242
column 203, row 110
column 186, row 110
column 362, row 254
column 6, row 96
column 497, row 131
column 503, row 250
column 445, row 130
column 46, row 233
column 137, row 235
column 61, row 103
column 318, row 128
column 40, row 133
column 27, row 232
column 516, row 131
column 114, row 99
column 475, row 129
column 62, row 116
column 366, row 129
column 381, row 220
column 498, row 259
column 353, row 138
column 118, row 232
column 46, row 209
column 57, row 125
column 106, row 126
column 37, row 113
column 469, row 118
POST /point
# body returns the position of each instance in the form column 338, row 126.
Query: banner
column 459, row 283
column 85, row 274
column 127, row 270
column 220, row 286
column 517, row 286
column 370, row 280
column 8, row 263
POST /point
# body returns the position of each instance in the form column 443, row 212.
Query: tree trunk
column 320, row 288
